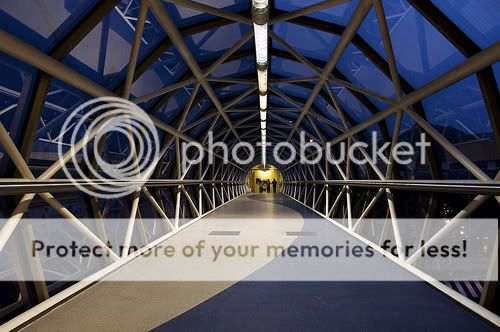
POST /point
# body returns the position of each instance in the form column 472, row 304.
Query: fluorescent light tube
column 263, row 101
column 260, row 4
column 262, row 80
column 260, row 35
column 263, row 115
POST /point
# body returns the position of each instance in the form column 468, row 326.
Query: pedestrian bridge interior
column 338, row 71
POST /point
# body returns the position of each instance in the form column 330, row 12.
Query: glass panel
column 14, row 80
column 61, row 100
column 168, row 69
column 231, row 90
column 293, row 90
column 480, row 20
column 307, row 42
column 184, row 16
column 279, row 102
column 175, row 105
column 96, row 56
column 129, row 11
column 351, row 105
column 418, row 168
column 286, row 102
column 407, row 123
column 42, row 22
column 308, row 129
column 328, row 111
column 208, row 44
column 370, row 32
column 422, row 53
column 199, row 109
column 339, row 14
column 243, row 67
column 289, row 68
column 496, row 70
column 459, row 114
column 362, row 72
column 328, row 132
column 247, row 101
column 200, row 128
column 291, row 116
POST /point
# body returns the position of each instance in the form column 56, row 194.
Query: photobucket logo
column 358, row 152
column 95, row 121
column 309, row 152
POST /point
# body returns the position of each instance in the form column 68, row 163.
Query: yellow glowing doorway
column 264, row 180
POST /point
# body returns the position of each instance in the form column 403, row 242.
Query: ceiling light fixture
column 263, row 102
column 263, row 115
column 260, row 32
column 260, row 17
column 262, row 79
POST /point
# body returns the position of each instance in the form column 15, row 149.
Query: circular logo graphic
column 113, row 124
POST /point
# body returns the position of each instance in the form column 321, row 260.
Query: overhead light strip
column 260, row 17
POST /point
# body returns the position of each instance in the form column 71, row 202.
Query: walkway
column 253, row 305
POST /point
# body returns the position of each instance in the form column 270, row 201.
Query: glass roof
column 422, row 53
column 42, row 23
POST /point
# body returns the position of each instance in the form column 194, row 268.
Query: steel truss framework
column 340, row 193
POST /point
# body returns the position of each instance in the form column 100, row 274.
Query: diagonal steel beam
column 229, row 53
column 168, row 25
column 360, row 95
column 349, row 32
column 10, row 225
column 474, row 64
column 199, row 121
column 164, row 91
column 233, row 80
column 298, row 56
column 306, row 10
column 293, row 79
column 286, row 98
column 60, row 50
column 360, row 43
column 24, row 52
column 213, row 66
column 468, row 48
column 242, row 96
column 163, row 45
column 211, row 10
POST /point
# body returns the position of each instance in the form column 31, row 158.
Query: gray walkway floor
column 251, row 305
